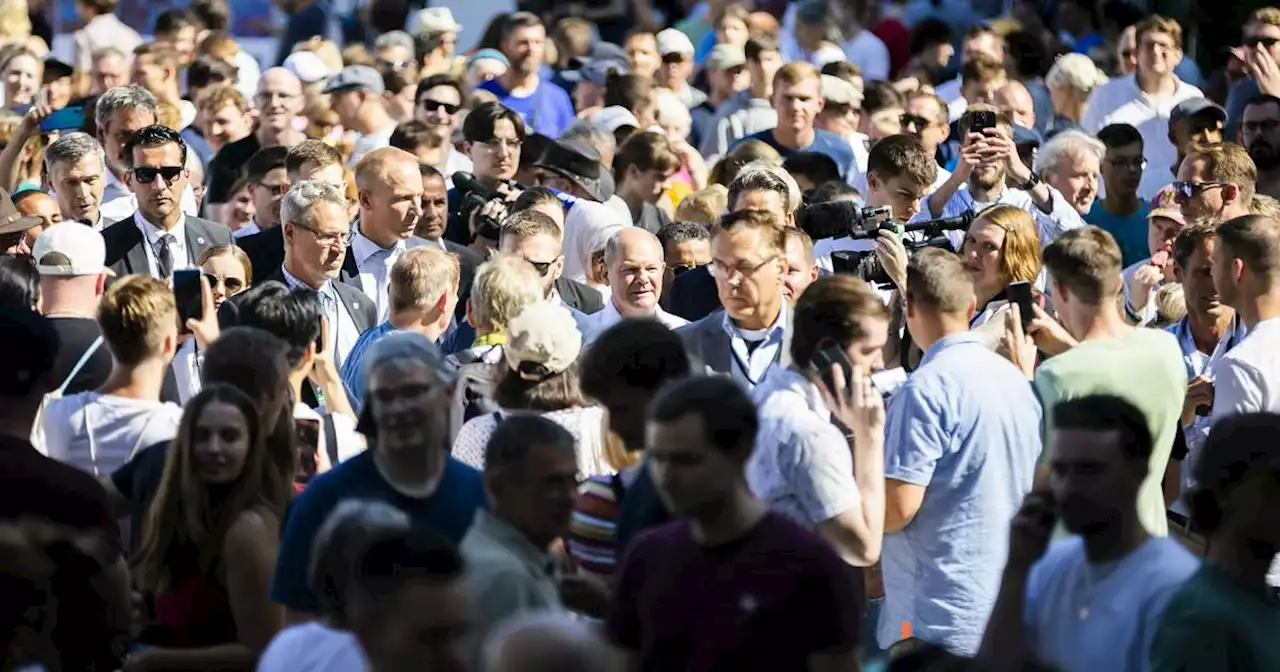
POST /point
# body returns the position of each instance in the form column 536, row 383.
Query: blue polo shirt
column 449, row 510
column 548, row 110
column 824, row 142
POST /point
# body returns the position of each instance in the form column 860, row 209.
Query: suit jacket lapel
column 350, row 273
column 136, row 257
column 197, row 239
column 716, row 346
column 357, row 305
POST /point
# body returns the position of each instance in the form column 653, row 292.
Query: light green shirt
column 1144, row 368
column 505, row 573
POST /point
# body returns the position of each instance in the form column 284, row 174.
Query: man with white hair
column 634, row 259
column 77, row 171
column 1071, row 163
column 548, row 641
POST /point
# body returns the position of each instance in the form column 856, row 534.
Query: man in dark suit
column 316, row 234
column 693, row 294
column 431, row 226
column 745, row 339
column 159, row 238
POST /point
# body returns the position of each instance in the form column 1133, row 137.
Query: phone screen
column 186, row 292
column 320, row 335
column 65, row 119
column 1020, row 293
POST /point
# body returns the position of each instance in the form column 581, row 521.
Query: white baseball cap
column 80, row 250
column 307, row 66
column 615, row 117
column 672, row 41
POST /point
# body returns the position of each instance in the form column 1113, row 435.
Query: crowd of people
column 817, row 335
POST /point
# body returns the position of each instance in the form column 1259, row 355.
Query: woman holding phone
column 1001, row 247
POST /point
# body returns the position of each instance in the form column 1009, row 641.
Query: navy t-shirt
column 449, row 510
column 548, row 110
column 824, row 142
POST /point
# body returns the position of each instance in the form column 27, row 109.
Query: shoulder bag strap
column 84, row 359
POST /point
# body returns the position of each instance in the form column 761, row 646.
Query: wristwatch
column 1031, row 182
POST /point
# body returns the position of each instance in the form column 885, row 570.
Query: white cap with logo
column 80, row 250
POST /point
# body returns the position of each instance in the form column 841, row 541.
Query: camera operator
column 899, row 172
column 492, row 137
column 986, row 159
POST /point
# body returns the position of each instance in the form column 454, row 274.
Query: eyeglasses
column 148, row 174
column 395, row 65
column 908, row 120
column 277, row 189
column 512, row 144
column 720, row 271
column 330, row 239
column 437, row 105
column 1188, row 189
column 1139, row 164
column 1264, row 42
column 233, row 285
column 542, row 267
column 1126, row 54
column 678, row 270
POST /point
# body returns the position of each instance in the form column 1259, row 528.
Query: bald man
column 279, row 103
column 548, row 642
column 635, row 265
column 1014, row 98
column 38, row 204
column 389, row 189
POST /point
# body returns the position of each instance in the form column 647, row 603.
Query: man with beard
column 1216, row 183
column 1260, row 135
column 279, row 101
column 544, row 106
column 986, row 160
column 1090, row 601
column 1121, row 212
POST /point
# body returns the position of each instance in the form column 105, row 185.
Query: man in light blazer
column 158, row 239
column 747, row 337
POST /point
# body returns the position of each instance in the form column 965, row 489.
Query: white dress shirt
column 346, row 333
column 599, row 321
column 374, row 264
column 180, row 257
column 1060, row 218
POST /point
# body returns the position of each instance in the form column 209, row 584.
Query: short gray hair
column 1067, row 144
column 1075, row 71
column 591, row 134
column 395, row 38
column 302, row 199
column 72, row 147
column 765, row 176
column 120, row 98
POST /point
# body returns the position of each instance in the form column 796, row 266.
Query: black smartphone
column 186, row 292
column 982, row 120
column 320, row 335
column 69, row 118
column 1020, row 293
column 829, row 355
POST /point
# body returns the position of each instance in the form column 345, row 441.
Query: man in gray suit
column 158, row 238
column 746, row 337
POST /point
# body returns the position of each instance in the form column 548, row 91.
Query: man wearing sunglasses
column 536, row 238
column 686, row 246
column 1216, row 183
column 159, row 238
column 439, row 106
column 1261, row 40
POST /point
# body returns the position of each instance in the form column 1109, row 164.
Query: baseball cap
column 672, row 41
column 69, row 249
column 1193, row 107
column 306, row 66
column 1165, row 204
column 615, row 117
column 725, row 56
column 354, row 77
column 436, row 20
column 596, row 71
column 840, row 92
column 542, row 340
column 12, row 221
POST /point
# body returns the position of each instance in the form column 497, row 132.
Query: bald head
column 548, row 642
column 42, row 205
column 278, row 100
column 390, row 190
column 635, row 262
column 1014, row 98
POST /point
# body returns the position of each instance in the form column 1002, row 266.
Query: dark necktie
column 164, row 260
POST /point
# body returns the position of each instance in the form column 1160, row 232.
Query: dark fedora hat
column 580, row 164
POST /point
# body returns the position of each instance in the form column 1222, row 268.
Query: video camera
column 848, row 219
column 473, row 194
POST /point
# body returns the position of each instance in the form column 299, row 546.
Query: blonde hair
column 704, row 206
column 1171, row 304
column 136, row 313
column 1075, row 71
column 328, row 52
column 231, row 250
column 1159, row 24
column 796, row 72
column 420, row 276
column 217, row 97
column 1020, row 254
column 504, row 286
column 1269, row 16
column 15, row 19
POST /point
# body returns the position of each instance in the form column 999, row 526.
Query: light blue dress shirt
column 750, row 365
column 966, row 425
column 342, row 327
column 352, row 369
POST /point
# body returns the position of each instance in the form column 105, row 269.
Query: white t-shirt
column 313, row 647
column 350, row 443
column 1120, row 101
column 868, row 52
column 98, row 433
column 366, row 143
column 1247, row 379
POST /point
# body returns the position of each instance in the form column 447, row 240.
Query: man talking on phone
column 988, row 159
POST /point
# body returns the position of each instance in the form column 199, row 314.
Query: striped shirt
column 593, row 532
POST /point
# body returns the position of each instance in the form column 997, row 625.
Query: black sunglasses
column 1265, row 42
column 543, row 266
column 233, row 285
column 909, row 119
column 434, row 105
column 147, row 174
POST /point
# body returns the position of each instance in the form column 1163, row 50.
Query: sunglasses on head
column 147, row 174
column 233, row 285
column 435, row 105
